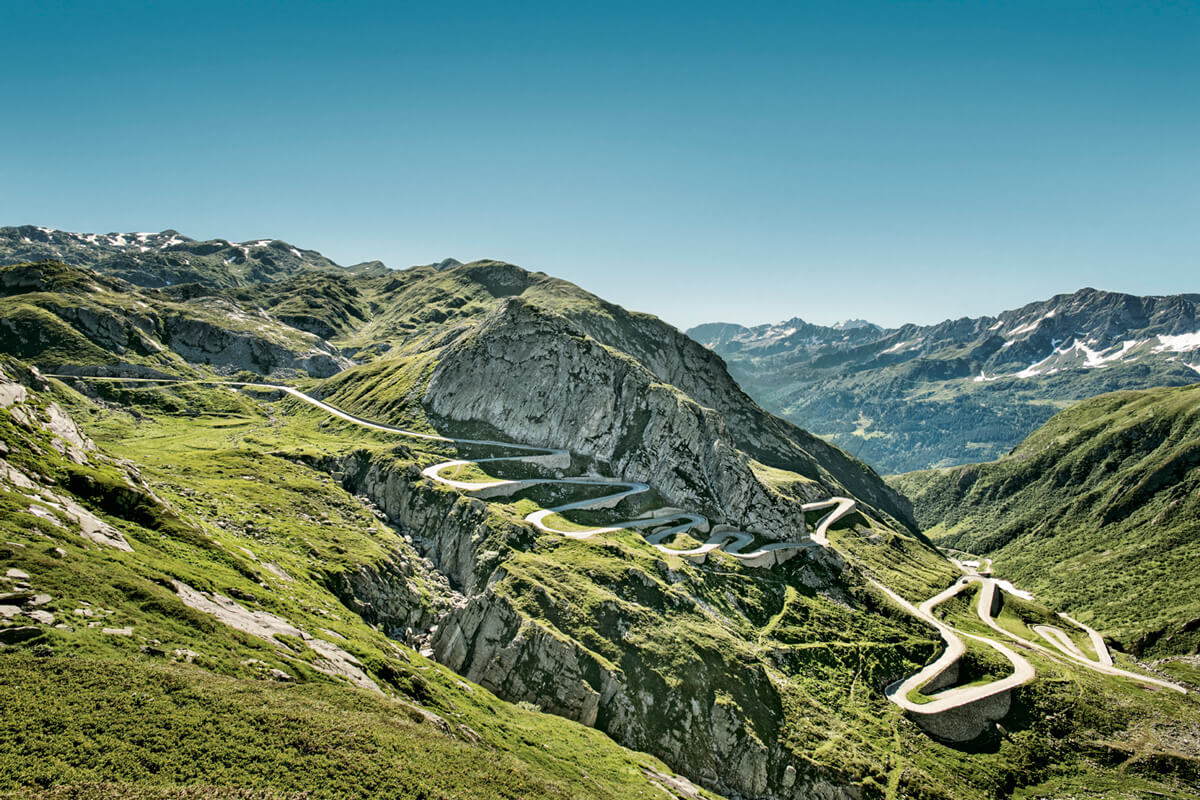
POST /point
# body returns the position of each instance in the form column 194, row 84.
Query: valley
column 553, row 536
column 965, row 390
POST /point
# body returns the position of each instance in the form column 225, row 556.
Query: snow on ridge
column 1032, row 326
column 1182, row 343
column 1032, row 371
column 898, row 347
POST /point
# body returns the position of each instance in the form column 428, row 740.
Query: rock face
column 200, row 341
column 542, row 381
column 389, row 596
column 675, row 359
column 722, row 732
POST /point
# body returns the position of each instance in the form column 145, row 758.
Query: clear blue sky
column 739, row 161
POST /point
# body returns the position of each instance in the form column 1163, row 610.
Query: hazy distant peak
column 852, row 324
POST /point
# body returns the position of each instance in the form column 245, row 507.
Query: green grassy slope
column 255, row 499
column 1098, row 512
column 124, row 684
column 63, row 317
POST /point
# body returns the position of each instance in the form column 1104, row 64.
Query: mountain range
column 273, row 527
column 962, row 390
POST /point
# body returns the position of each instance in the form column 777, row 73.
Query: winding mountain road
column 672, row 521
column 731, row 542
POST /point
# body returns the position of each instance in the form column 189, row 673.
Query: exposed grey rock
column 203, row 342
column 541, row 381
column 965, row 723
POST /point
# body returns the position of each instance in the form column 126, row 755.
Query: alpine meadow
column 811, row 410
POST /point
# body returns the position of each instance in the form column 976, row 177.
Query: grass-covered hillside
column 1097, row 511
column 235, row 618
column 209, row 584
column 185, row 621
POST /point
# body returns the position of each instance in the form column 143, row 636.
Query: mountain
column 1098, row 511
column 962, row 390
column 553, row 537
column 167, row 258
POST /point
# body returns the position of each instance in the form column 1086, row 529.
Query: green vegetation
column 182, row 699
column 150, row 727
column 1107, row 494
column 324, row 535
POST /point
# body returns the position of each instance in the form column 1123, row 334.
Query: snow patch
column 1032, row 326
column 1034, row 369
column 901, row 346
column 1182, row 343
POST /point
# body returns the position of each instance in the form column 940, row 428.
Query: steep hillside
column 962, row 390
column 1098, row 511
column 530, row 518
column 425, row 308
column 70, row 319
column 182, row 622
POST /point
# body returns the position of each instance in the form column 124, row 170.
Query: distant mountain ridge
column 169, row 258
column 914, row 397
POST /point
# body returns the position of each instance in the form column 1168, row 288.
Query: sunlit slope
column 1098, row 511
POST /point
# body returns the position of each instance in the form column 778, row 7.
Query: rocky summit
column 274, row 527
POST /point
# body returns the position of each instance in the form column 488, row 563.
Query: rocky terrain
column 262, row 556
column 962, row 390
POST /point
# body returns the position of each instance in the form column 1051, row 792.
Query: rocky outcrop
column 675, row 359
column 203, row 342
column 457, row 534
column 541, row 381
column 394, row 596
column 721, row 732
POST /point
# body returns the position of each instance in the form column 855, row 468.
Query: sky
column 744, row 162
